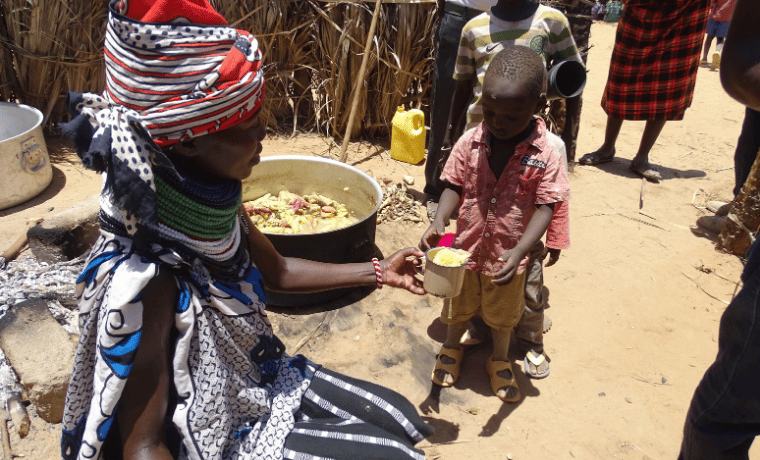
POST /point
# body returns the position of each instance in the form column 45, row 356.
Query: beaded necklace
column 199, row 211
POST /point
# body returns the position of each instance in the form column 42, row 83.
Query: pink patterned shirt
column 722, row 10
column 493, row 214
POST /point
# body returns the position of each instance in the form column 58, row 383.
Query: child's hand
column 512, row 260
column 431, row 237
column 399, row 270
column 553, row 256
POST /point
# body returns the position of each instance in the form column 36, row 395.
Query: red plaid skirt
column 655, row 60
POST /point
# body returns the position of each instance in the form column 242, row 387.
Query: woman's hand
column 399, row 270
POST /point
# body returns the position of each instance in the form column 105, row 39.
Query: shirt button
column 487, row 235
column 493, row 200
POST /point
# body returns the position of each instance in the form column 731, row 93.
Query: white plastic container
column 24, row 159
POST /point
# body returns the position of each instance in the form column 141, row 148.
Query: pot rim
column 27, row 108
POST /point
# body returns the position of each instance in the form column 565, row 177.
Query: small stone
column 356, row 339
column 602, row 394
column 664, row 380
column 628, row 400
column 409, row 180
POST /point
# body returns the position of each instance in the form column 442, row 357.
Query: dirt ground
column 635, row 302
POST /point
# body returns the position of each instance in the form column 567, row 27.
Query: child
column 547, row 32
column 597, row 11
column 505, row 178
column 717, row 27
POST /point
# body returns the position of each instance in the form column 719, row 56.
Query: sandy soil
column 635, row 302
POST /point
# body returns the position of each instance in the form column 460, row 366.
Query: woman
column 176, row 357
column 652, row 74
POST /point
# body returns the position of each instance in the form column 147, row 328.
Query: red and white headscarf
column 174, row 70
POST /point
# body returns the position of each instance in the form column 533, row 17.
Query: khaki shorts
column 499, row 306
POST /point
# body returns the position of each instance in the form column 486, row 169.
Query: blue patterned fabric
column 238, row 392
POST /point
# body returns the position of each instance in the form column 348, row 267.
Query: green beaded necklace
column 192, row 218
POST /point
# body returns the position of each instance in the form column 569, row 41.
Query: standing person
column 652, row 74
column 612, row 11
column 453, row 15
column 717, row 27
column 506, row 178
column 176, row 357
column 724, row 416
column 597, row 12
column 547, row 32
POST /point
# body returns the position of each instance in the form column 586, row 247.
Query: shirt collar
column 536, row 139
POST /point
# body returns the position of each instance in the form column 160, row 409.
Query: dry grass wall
column 312, row 52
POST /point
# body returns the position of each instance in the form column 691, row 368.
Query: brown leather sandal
column 498, row 382
column 453, row 369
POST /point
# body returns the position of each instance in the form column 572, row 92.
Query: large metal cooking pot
column 348, row 185
column 24, row 157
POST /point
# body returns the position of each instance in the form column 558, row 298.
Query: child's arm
column 533, row 232
column 446, row 206
column 557, row 235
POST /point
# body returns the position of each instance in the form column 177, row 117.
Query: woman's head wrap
column 174, row 70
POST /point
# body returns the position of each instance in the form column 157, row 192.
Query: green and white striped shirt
column 547, row 32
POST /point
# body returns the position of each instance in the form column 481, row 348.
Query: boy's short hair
column 519, row 63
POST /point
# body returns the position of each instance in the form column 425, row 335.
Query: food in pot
column 450, row 257
column 291, row 213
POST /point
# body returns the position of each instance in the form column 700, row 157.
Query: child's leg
column 509, row 391
column 529, row 331
column 502, row 307
column 708, row 43
column 450, row 356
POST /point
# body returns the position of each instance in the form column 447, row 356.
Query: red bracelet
column 378, row 273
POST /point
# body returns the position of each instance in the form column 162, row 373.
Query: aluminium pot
column 24, row 159
column 360, row 193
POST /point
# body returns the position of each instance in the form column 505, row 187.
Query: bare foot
column 536, row 364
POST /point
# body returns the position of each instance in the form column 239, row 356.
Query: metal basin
column 348, row 185
column 24, row 157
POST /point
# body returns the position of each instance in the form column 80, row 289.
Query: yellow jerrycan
column 408, row 136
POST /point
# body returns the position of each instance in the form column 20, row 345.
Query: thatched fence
column 312, row 52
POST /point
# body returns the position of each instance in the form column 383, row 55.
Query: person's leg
column 502, row 307
column 446, row 47
column 451, row 354
column 719, row 44
column 724, row 415
column 505, row 391
column 606, row 152
column 640, row 163
column 706, row 50
column 529, row 332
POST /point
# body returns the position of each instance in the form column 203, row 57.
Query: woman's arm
column 300, row 275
